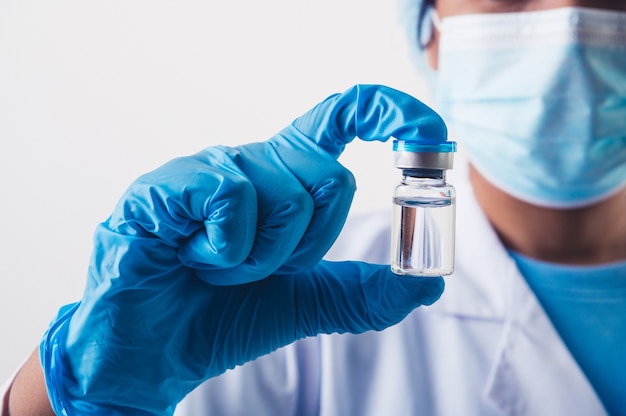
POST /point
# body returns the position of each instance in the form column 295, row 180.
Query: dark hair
column 420, row 20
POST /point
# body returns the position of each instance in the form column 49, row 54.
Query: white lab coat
column 485, row 348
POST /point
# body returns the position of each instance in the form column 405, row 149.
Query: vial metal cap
column 423, row 155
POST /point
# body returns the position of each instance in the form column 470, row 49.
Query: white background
column 95, row 93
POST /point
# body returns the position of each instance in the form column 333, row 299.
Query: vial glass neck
column 437, row 174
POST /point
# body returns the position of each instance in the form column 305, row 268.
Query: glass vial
column 424, row 210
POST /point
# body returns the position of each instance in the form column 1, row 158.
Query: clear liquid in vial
column 423, row 236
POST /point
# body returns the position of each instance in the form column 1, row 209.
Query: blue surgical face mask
column 538, row 100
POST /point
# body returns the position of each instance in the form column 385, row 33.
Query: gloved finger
column 331, row 187
column 284, row 208
column 356, row 297
column 188, row 197
column 371, row 112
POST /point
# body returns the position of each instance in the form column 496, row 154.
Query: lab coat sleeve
column 4, row 390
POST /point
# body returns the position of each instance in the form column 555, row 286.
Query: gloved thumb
column 371, row 112
column 356, row 297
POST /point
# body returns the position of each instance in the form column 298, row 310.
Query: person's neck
column 594, row 234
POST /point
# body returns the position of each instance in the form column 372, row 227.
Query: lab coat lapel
column 490, row 286
column 532, row 360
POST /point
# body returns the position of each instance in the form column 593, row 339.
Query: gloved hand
column 215, row 259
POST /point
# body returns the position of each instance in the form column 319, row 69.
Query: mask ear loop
column 434, row 18
column 429, row 23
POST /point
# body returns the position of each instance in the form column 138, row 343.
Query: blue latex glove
column 215, row 259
